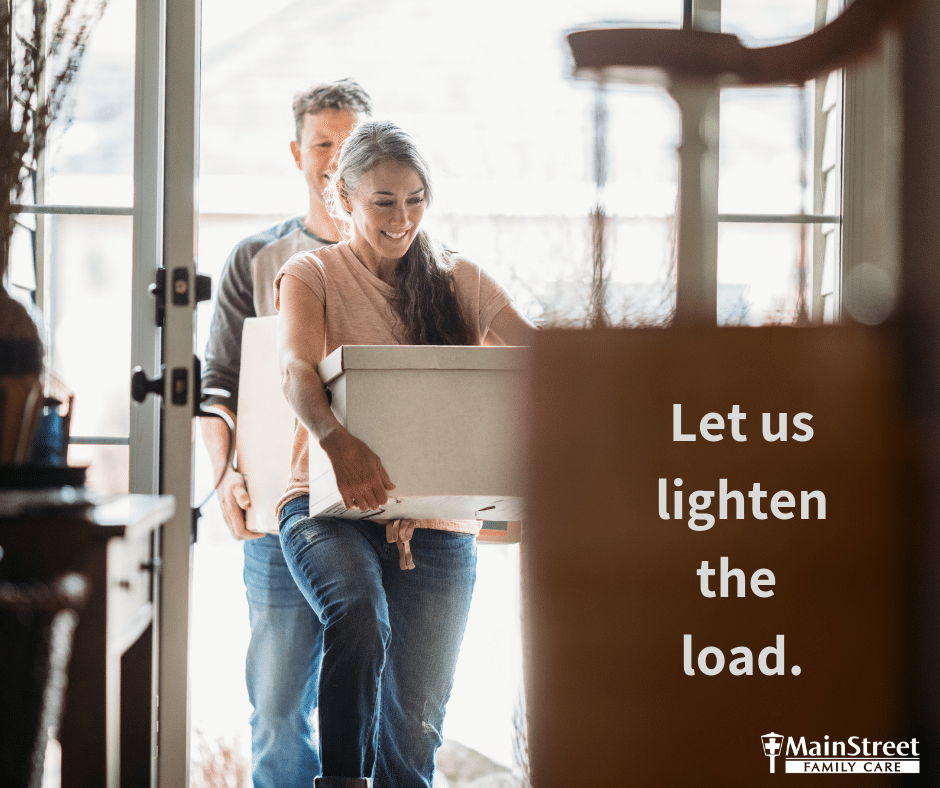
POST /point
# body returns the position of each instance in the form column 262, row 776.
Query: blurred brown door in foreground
column 611, row 588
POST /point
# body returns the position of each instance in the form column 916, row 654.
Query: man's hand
column 360, row 476
column 233, row 498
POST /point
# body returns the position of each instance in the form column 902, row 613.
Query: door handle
column 141, row 385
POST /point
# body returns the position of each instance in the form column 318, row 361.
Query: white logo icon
column 773, row 745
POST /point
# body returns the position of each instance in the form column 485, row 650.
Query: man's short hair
column 344, row 94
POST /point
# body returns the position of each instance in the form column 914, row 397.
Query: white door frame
column 165, row 229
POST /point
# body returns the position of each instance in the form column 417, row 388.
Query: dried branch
column 27, row 111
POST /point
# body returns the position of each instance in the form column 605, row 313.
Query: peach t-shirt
column 357, row 310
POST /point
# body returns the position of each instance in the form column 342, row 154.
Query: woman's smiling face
column 386, row 209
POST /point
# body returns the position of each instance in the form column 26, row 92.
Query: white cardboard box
column 264, row 428
column 445, row 421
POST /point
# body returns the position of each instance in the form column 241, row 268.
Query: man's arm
column 234, row 303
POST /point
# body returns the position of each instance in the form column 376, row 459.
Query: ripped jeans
column 390, row 641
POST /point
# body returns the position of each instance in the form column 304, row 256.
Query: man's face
column 323, row 134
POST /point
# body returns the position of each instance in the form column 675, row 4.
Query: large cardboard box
column 445, row 421
column 264, row 429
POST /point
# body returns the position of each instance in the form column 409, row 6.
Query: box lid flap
column 421, row 357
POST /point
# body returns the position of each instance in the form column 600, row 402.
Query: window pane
column 759, row 272
column 642, row 140
column 640, row 270
column 764, row 157
column 91, row 159
column 507, row 133
column 90, row 261
column 768, row 21
column 640, row 201
column 107, row 467
column 22, row 271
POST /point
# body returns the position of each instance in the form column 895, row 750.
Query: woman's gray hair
column 425, row 299
column 371, row 143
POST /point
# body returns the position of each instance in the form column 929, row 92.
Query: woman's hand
column 360, row 476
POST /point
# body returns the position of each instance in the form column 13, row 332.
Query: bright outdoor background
column 485, row 88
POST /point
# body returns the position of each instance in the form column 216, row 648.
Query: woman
column 393, row 597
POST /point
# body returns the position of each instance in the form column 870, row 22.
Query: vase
column 21, row 391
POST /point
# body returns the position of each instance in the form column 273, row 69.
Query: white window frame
column 871, row 161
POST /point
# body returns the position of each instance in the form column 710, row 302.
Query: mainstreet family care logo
column 853, row 756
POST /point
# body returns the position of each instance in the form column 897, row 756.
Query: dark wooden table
column 108, row 731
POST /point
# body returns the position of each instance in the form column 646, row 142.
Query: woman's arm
column 510, row 328
column 360, row 477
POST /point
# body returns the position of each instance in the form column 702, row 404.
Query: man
column 283, row 659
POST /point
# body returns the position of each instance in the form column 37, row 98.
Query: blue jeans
column 390, row 641
column 281, row 670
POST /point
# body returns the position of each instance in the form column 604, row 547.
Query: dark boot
column 341, row 782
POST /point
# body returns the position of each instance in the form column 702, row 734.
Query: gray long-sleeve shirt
column 246, row 289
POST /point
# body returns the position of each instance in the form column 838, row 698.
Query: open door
column 165, row 281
